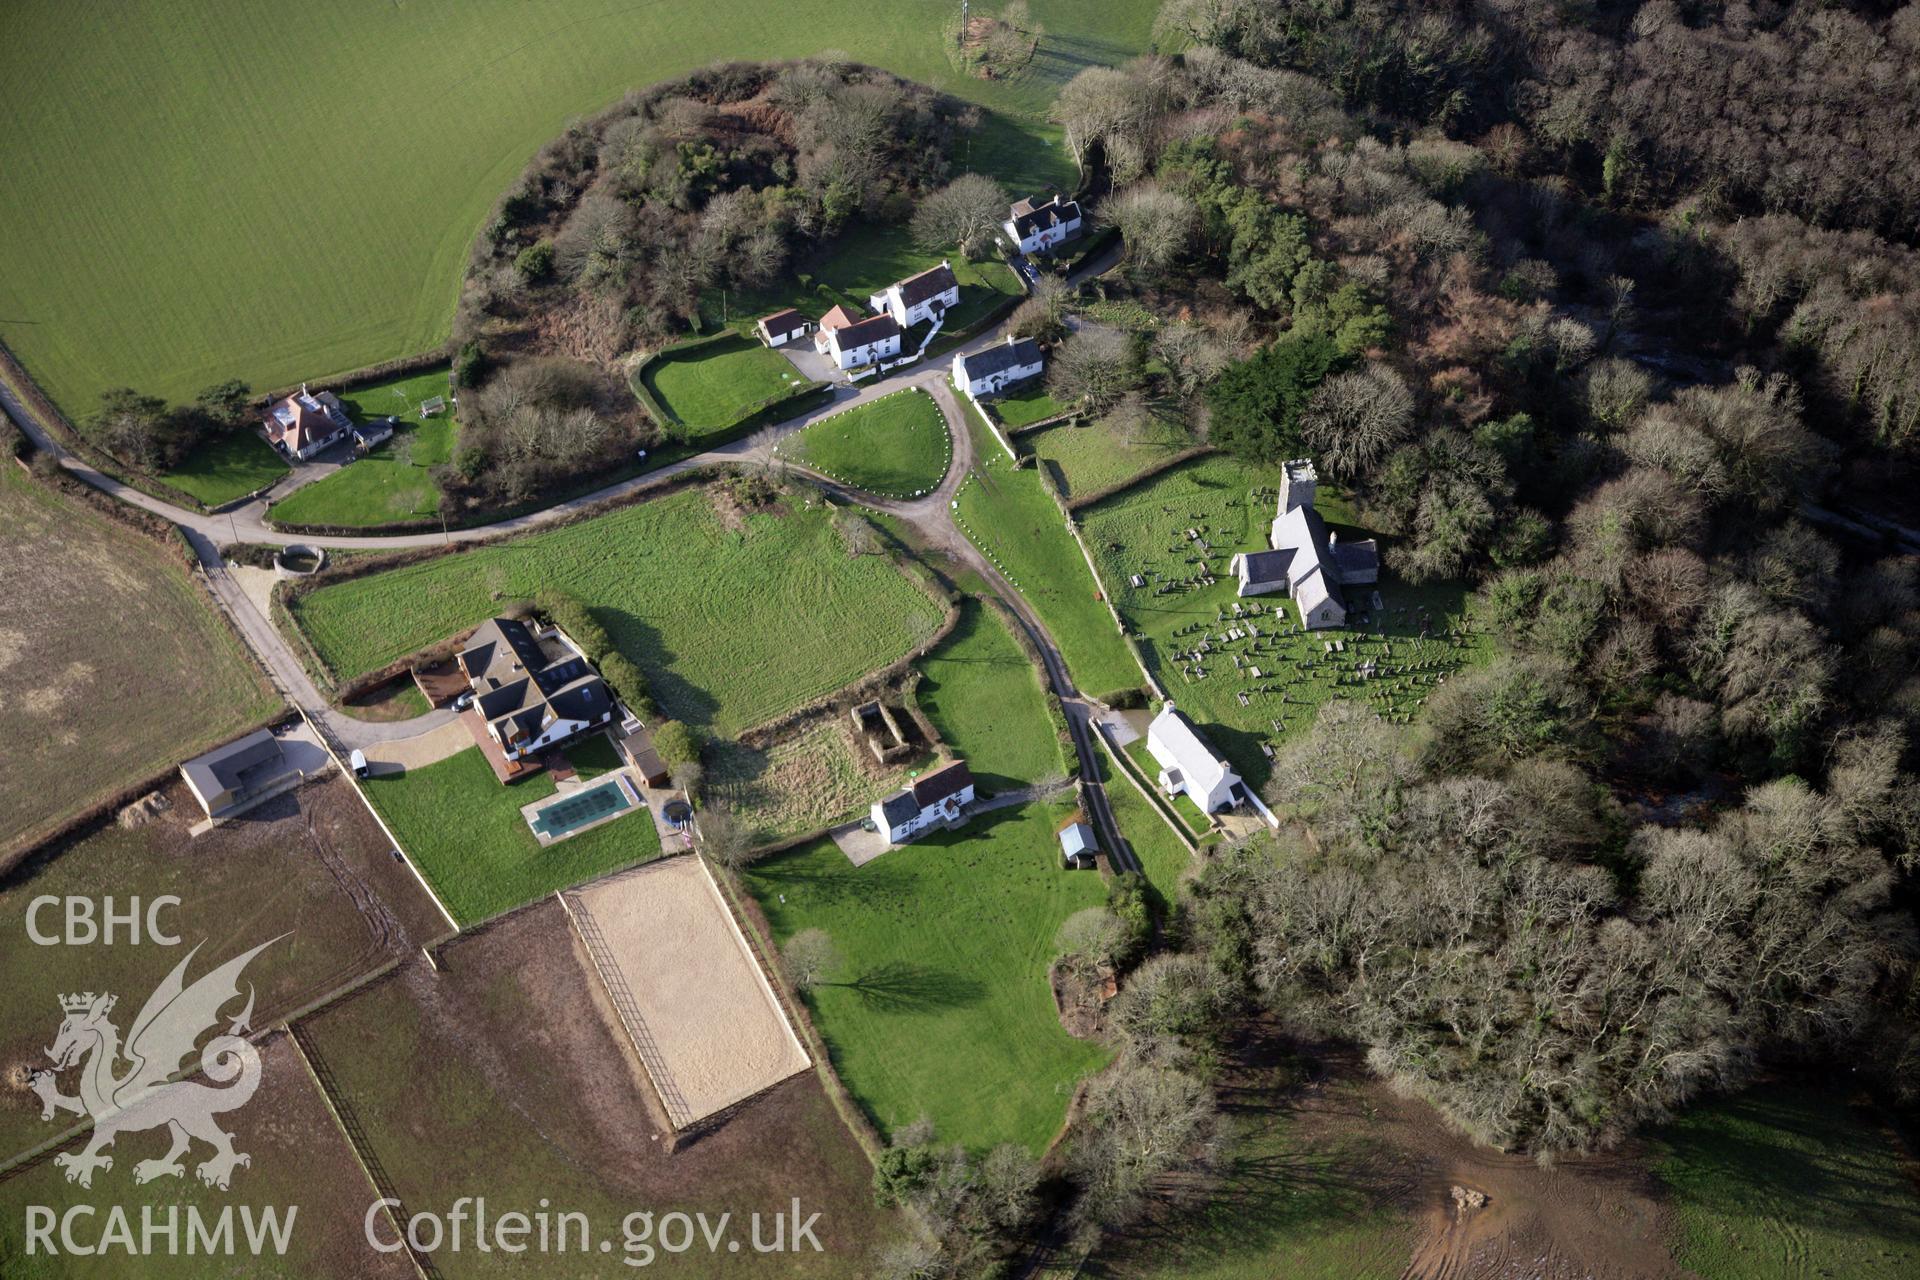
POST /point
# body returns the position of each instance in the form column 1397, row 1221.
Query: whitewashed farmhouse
column 925, row 296
column 859, row 342
column 1041, row 226
column 1308, row 561
column 989, row 372
column 940, row 798
column 1189, row 766
column 533, row 691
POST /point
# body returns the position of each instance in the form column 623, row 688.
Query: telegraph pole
column 963, row 24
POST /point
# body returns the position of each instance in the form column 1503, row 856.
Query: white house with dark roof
column 1308, row 561
column 1188, row 766
column 306, row 422
column 533, row 690
column 989, row 372
column 919, row 297
column 783, row 326
column 1041, row 226
column 864, row 342
column 938, row 799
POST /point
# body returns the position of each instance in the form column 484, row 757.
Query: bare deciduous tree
column 965, row 215
column 1093, row 368
column 1355, row 419
column 811, row 958
column 1156, row 225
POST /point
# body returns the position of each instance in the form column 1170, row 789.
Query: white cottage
column 1189, row 766
column 918, row 297
column 1041, row 226
column 940, row 798
column 989, row 372
column 864, row 342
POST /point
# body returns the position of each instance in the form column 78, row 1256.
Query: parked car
column 464, row 701
column 358, row 762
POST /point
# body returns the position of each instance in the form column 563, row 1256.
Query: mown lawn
column 896, row 446
column 1093, row 457
column 394, row 483
column 733, row 621
column 1143, row 531
column 866, row 258
column 983, row 695
column 712, row 387
column 941, row 1006
column 419, row 114
column 113, row 666
column 1163, row 858
column 231, row 466
column 464, row 831
column 1008, row 515
column 1781, row 1183
column 1027, row 404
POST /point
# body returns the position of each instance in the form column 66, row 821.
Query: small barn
column 1078, row 845
column 782, row 327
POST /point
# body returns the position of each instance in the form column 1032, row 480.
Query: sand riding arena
column 686, row 986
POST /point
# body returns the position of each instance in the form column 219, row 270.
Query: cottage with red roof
column 306, row 422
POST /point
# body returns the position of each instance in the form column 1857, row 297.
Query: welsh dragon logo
column 139, row 1095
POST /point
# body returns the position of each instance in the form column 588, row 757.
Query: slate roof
column 1000, row 357
column 1320, row 563
column 942, row 782
column 519, row 689
column 899, row 809
column 226, row 768
column 1037, row 216
column 1267, row 566
column 930, row 283
column 873, row 329
column 785, row 320
column 1175, row 734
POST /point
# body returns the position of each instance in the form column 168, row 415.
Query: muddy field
column 311, row 865
column 299, row 1161
column 112, row 665
column 507, row 1075
column 709, row 1029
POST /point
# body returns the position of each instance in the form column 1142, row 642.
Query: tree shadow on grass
column 899, row 987
column 640, row 640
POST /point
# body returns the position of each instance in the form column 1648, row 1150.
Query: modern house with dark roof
column 1308, row 561
column 938, row 799
column 989, row 372
column 306, row 422
column 782, row 327
column 864, row 342
column 1041, row 226
column 919, row 297
column 226, row 778
column 1190, row 767
column 532, row 690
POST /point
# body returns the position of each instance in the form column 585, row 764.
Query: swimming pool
column 571, row 812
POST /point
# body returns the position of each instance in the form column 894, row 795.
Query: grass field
column 1091, row 458
column 1006, row 513
column 865, row 259
column 118, row 669
column 1291, row 1204
column 715, row 385
column 1163, row 858
column 804, row 783
column 233, row 465
column 942, row 1006
column 499, row 1077
column 896, row 446
column 1141, row 531
column 983, row 695
column 393, row 483
column 464, row 831
column 733, row 620
column 1028, row 404
column 150, row 123
column 1784, row 1183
